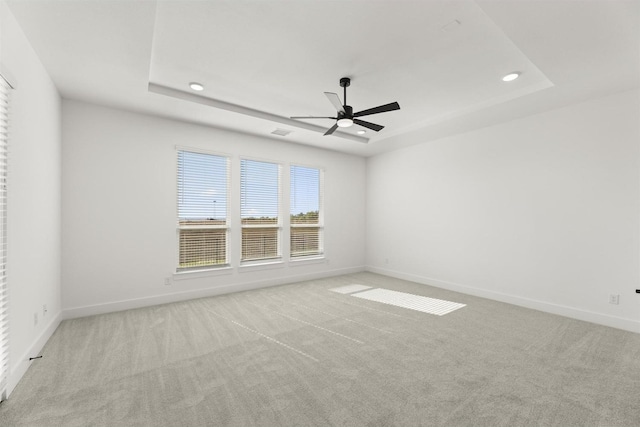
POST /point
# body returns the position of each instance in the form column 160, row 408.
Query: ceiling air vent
column 281, row 132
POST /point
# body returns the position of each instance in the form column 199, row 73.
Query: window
column 4, row 315
column 203, row 182
column 205, row 222
column 306, row 212
column 259, row 210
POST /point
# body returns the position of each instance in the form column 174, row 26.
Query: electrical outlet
column 386, row 260
column 614, row 299
column 44, row 310
column 167, row 281
column 35, row 319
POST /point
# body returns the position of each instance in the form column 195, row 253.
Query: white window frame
column 277, row 226
column 228, row 220
column 321, row 213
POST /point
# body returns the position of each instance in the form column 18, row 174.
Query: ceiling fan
column 346, row 117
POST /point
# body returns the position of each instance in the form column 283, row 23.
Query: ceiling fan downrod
column 345, row 82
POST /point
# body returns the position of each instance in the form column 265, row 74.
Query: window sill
column 314, row 259
column 196, row 274
column 266, row 265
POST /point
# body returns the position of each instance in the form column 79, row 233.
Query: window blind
column 203, row 187
column 260, row 209
column 4, row 303
column 305, row 212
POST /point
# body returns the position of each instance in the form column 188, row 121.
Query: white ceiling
column 263, row 61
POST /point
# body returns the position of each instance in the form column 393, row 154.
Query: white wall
column 542, row 211
column 119, row 204
column 34, row 209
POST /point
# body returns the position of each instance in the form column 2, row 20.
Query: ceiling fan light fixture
column 511, row 76
column 196, row 86
column 345, row 123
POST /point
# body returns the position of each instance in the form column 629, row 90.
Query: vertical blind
column 306, row 211
column 259, row 209
column 203, row 184
column 4, row 309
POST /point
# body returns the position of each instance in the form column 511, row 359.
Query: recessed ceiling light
column 511, row 76
column 361, row 132
column 196, row 86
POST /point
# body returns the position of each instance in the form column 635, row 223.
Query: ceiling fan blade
column 312, row 117
column 335, row 100
column 369, row 125
column 331, row 130
column 380, row 109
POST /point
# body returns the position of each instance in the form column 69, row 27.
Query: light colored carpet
column 300, row 355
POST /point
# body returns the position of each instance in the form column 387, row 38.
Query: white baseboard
column 23, row 362
column 574, row 313
column 110, row 307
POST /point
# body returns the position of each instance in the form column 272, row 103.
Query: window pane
column 305, row 195
column 203, row 247
column 4, row 291
column 259, row 243
column 202, row 186
column 305, row 241
column 259, row 191
column 259, row 207
column 305, row 211
column 202, row 209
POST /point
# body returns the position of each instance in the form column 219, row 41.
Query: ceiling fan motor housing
column 347, row 114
